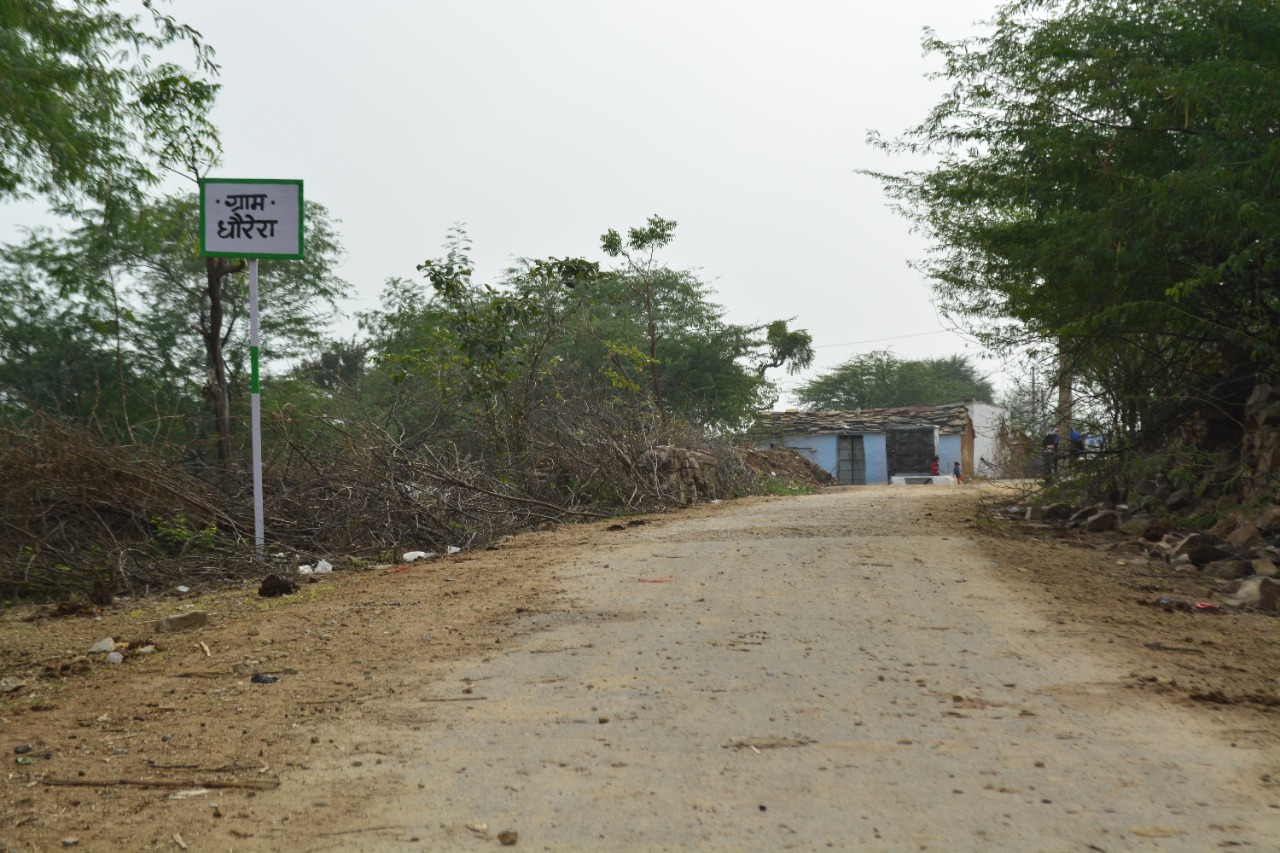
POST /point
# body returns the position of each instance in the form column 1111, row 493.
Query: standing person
column 934, row 469
column 955, row 471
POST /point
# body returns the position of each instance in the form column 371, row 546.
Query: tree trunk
column 1064, row 408
column 216, row 269
column 654, row 381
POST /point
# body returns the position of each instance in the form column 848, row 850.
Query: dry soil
column 865, row 668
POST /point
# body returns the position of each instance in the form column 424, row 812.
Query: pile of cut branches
column 85, row 517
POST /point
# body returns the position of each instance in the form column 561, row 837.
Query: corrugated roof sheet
column 950, row 419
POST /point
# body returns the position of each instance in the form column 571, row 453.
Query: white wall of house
column 986, row 420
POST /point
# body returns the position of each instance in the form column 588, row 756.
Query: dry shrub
column 85, row 517
column 82, row 517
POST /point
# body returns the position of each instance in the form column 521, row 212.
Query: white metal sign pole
column 255, row 403
column 252, row 218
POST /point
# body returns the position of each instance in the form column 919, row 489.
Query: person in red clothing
column 933, row 469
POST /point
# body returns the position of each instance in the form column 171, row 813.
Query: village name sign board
column 250, row 218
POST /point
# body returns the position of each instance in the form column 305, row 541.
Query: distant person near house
column 934, row 469
column 1077, row 443
column 955, row 472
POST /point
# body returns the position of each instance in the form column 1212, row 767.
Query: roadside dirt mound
column 785, row 464
column 1176, row 629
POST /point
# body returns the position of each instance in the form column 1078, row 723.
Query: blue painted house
column 868, row 446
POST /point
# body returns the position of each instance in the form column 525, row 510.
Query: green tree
column 880, row 379
column 784, row 347
column 85, row 109
column 1106, row 186
column 491, row 357
column 58, row 338
column 136, row 291
column 661, row 332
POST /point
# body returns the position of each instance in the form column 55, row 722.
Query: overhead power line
column 882, row 340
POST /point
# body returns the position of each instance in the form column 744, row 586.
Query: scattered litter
column 23, row 749
column 415, row 556
column 179, row 622
column 70, row 841
column 755, row 744
column 304, row 569
column 265, row 679
column 25, row 759
column 207, row 653
column 1207, row 607
column 188, row 793
column 177, row 839
column 478, row 827
column 107, row 645
column 147, row 650
column 323, row 567
column 183, row 588
column 1170, row 602
column 666, row 579
column 508, row 837
column 115, row 657
column 399, row 569
column 452, row 550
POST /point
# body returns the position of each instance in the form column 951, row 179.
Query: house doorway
column 910, row 450
column 851, row 461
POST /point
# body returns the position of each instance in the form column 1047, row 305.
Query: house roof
column 950, row 419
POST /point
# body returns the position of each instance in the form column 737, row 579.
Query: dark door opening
column 910, row 450
column 851, row 461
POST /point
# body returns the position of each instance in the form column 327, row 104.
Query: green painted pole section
column 255, row 412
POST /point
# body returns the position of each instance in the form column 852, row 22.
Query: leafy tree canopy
column 565, row 327
column 108, row 319
column 84, row 109
column 880, row 379
column 1106, row 184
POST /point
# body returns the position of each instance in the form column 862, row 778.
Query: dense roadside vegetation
column 1105, row 206
column 462, row 410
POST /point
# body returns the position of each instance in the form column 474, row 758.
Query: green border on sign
column 301, row 208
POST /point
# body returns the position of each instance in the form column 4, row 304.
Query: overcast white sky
column 542, row 124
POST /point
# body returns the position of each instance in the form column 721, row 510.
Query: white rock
column 115, row 657
column 107, row 645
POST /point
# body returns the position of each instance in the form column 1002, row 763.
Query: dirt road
column 848, row 670
column 815, row 673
